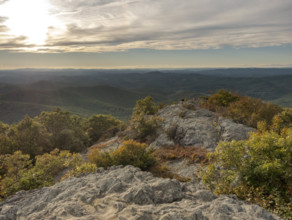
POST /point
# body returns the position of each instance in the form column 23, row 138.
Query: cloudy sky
column 145, row 33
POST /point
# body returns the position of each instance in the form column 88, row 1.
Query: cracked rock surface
column 126, row 193
column 197, row 127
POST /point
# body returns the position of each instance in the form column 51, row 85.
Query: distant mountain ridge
column 88, row 92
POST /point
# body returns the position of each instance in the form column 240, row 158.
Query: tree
column 67, row 132
column 29, row 136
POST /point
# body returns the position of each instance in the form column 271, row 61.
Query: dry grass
column 160, row 170
column 192, row 154
column 190, row 106
column 97, row 147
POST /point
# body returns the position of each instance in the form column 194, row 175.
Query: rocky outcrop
column 126, row 193
column 188, row 125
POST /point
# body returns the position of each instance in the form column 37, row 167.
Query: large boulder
column 126, row 193
column 193, row 126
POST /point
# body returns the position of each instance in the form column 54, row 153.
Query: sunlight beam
column 30, row 18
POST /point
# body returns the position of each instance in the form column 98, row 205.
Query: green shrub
column 99, row 125
column 144, row 122
column 258, row 170
column 100, row 159
column 67, row 132
column 282, row 120
column 28, row 136
column 145, row 126
column 130, row 153
column 145, row 106
column 12, row 168
column 18, row 172
column 223, row 98
column 56, row 129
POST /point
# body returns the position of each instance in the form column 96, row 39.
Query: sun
column 29, row 18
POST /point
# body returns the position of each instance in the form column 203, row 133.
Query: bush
column 145, row 126
column 28, row 136
column 144, row 123
column 18, row 172
column 241, row 109
column 250, row 111
column 68, row 132
column 130, row 153
column 223, row 98
column 12, row 168
column 282, row 120
column 100, row 158
column 258, row 170
column 171, row 132
column 145, row 106
column 56, row 129
column 192, row 154
column 98, row 125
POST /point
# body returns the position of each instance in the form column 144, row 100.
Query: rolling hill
column 89, row 92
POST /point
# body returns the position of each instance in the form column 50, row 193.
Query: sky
column 145, row 33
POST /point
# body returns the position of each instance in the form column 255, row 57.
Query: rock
column 125, row 193
column 229, row 130
column 196, row 127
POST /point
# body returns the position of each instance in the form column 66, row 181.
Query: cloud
column 3, row 1
column 15, row 43
column 114, row 25
column 8, row 41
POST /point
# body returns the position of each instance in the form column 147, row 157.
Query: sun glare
column 28, row 18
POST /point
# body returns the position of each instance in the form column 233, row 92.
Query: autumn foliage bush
column 242, row 109
column 192, row 154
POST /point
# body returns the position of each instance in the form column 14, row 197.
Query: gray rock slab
column 125, row 193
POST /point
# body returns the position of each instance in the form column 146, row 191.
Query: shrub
column 282, row 120
column 99, row 125
column 130, row 153
column 100, row 158
column 242, row 109
column 144, row 123
column 250, row 111
column 171, row 132
column 68, row 132
column 258, row 170
column 134, row 153
column 145, row 106
column 44, row 133
column 223, row 98
column 29, row 136
column 162, row 171
column 12, row 168
column 189, row 106
column 145, row 126
column 18, row 172
column 192, row 154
